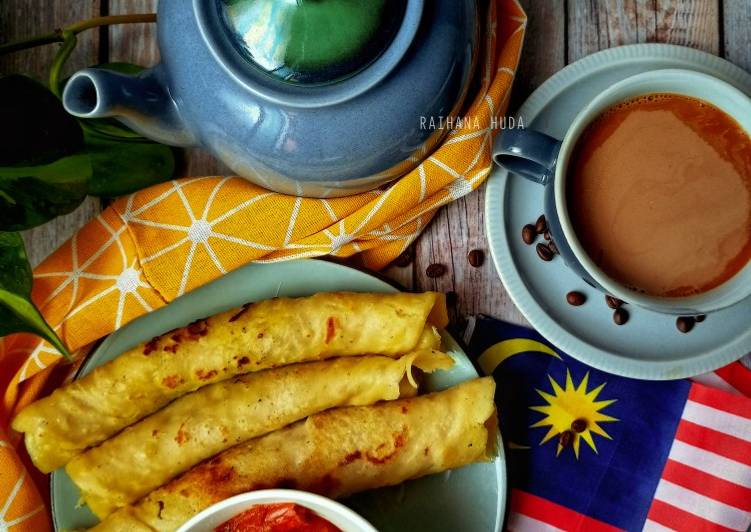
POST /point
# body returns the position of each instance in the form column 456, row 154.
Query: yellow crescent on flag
column 496, row 354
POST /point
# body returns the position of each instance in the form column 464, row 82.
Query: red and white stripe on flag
column 530, row 513
column 706, row 482
column 734, row 378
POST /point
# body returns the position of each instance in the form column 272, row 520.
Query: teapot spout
column 141, row 102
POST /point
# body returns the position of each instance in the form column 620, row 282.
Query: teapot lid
column 311, row 42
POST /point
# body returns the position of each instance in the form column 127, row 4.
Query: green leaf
column 109, row 127
column 122, row 67
column 121, row 167
column 32, row 195
column 44, row 170
column 17, row 312
column 37, row 128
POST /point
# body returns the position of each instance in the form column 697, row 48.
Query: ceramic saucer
column 649, row 346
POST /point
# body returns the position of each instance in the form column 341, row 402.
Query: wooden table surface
column 559, row 32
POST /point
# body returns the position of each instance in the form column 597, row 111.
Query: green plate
column 470, row 499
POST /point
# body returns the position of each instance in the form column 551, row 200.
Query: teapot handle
column 528, row 153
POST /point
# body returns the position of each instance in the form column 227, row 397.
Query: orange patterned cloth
column 149, row 248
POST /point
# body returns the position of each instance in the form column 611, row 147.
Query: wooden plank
column 21, row 19
column 404, row 276
column 133, row 43
column 598, row 24
column 456, row 230
column 544, row 51
column 737, row 32
column 694, row 23
column 460, row 227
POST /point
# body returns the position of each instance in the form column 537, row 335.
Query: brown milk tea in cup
column 659, row 194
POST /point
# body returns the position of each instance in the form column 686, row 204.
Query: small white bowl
column 337, row 514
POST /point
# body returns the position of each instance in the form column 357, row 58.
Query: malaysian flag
column 591, row 451
column 734, row 378
column 706, row 481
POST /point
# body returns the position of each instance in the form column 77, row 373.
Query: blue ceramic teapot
column 309, row 97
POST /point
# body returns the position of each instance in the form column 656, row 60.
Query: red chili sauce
column 281, row 517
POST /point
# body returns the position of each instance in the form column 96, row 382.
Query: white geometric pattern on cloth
column 5, row 524
column 199, row 231
column 126, row 283
column 79, row 271
column 42, row 347
column 72, row 278
column 129, row 287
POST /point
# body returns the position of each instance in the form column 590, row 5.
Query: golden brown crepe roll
column 336, row 453
column 216, row 417
column 257, row 336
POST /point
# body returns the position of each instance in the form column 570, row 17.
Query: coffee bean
column 566, row 438
column 684, row 323
column 575, row 298
column 613, row 302
column 544, row 252
column 451, row 298
column 476, row 257
column 529, row 234
column 541, row 225
column 700, row 318
column 553, row 247
column 404, row 260
column 546, row 235
column 579, row 425
column 620, row 316
column 435, row 270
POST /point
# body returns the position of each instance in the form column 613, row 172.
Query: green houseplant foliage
column 17, row 312
column 44, row 168
column 50, row 161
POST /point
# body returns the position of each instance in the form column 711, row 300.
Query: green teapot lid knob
column 312, row 41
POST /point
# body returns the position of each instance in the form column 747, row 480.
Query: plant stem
column 59, row 34
column 69, row 44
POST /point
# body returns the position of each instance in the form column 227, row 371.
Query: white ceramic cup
column 543, row 159
column 336, row 513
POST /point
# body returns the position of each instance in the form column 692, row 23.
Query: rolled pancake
column 336, row 453
column 214, row 418
column 257, row 336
